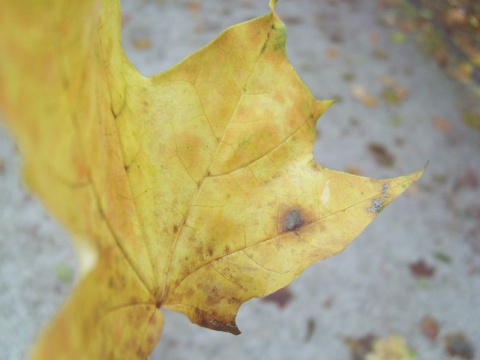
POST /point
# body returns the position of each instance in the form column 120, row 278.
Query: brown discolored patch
column 175, row 229
column 230, row 327
column 209, row 321
column 212, row 300
column 233, row 300
column 210, row 250
column 151, row 340
column 190, row 292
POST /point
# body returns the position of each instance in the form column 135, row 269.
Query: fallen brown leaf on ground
column 382, row 156
column 280, row 297
column 429, row 327
column 421, row 269
column 457, row 344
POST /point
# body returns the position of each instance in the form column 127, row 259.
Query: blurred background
column 406, row 76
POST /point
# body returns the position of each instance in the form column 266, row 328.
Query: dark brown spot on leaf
column 293, row 220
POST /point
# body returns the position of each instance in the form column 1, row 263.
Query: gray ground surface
column 368, row 288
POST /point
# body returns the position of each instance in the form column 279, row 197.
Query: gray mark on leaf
column 293, row 220
column 377, row 204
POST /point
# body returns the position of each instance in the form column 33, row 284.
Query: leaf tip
column 326, row 104
column 416, row 175
column 392, row 188
column 425, row 167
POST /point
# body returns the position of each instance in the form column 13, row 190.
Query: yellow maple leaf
column 193, row 190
